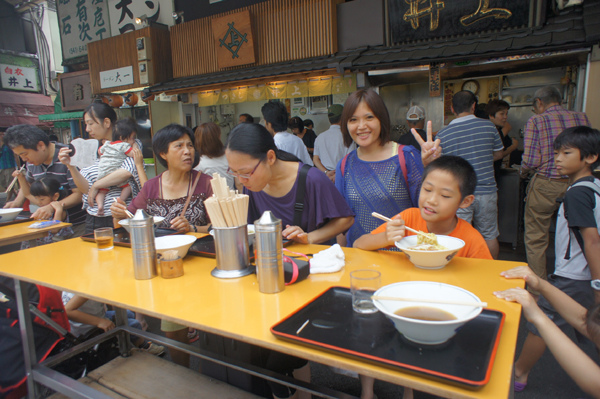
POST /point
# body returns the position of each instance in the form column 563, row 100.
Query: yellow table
column 18, row 232
column 236, row 309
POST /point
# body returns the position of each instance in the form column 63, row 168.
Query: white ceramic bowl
column 125, row 222
column 179, row 242
column 425, row 331
column 430, row 259
column 9, row 214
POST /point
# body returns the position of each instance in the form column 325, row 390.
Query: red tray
column 466, row 360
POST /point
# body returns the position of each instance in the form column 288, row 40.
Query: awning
column 63, row 116
column 23, row 108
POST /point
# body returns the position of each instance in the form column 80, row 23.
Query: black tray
column 466, row 360
column 204, row 246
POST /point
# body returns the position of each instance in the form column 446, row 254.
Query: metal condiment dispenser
column 141, row 232
column 269, row 248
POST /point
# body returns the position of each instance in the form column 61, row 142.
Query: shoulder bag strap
column 402, row 162
column 300, row 190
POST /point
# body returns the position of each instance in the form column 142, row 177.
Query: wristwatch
column 596, row 284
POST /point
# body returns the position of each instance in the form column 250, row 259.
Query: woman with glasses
column 270, row 177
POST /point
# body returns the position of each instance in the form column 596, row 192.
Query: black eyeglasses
column 243, row 175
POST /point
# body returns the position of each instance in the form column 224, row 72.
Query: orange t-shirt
column 475, row 246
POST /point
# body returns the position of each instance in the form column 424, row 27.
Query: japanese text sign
column 423, row 19
column 116, row 77
column 81, row 22
column 124, row 12
column 19, row 78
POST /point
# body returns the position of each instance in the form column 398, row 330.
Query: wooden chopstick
column 440, row 302
column 14, row 181
column 387, row 219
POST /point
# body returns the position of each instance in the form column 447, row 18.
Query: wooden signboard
column 75, row 90
column 233, row 39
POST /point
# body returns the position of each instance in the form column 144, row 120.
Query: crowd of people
column 443, row 184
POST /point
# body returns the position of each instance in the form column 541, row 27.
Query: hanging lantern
column 131, row 99
column 115, row 101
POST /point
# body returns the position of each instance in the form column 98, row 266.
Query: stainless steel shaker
column 269, row 259
column 141, row 232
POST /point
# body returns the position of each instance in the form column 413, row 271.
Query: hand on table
column 181, row 224
column 430, row 149
column 395, row 230
column 531, row 310
column 295, row 233
column 44, row 213
column 526, row 274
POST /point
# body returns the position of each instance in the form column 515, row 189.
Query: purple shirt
column 540, row 132
column 322, row 202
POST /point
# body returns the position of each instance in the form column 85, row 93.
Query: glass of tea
column 363, row 284
column 104, row 238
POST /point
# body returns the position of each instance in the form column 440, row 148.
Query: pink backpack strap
column 402, row 162
column 343, row 165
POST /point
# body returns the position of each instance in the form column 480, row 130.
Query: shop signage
column 20, row 78
column 81, row 22
column 425, row 19
column 75, row 90
column 116, row 77
column 233, row 39
column 435, row 83
column 124, row 12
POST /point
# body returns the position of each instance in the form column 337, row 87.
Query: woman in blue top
column 371, row 178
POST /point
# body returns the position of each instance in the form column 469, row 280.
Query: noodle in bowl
column 427, row 258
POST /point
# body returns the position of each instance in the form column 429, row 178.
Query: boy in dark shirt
column 577, row 244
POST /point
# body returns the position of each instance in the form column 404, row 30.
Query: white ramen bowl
column 9, row 214
column 179, row 242
column 430, row 259
column 426, row 331
column 125, row 222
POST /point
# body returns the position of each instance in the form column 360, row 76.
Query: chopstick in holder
column 14, row 181
column 214, row 211
column 387, row 219
column 423, row 300
column 187, row 201
column 129, row 214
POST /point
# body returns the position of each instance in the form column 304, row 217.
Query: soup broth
column 425, row 313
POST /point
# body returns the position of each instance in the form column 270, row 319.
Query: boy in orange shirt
column 448, row 184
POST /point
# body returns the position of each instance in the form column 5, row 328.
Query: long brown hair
column 208, row 140
column 377, row 106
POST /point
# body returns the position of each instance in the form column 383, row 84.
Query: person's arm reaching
column 394, row 231
column 591, row 241
column 583, row 370
column 76, row 315
column 330, row 230
column 566, row 306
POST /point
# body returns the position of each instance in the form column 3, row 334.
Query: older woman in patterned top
column 166, row 194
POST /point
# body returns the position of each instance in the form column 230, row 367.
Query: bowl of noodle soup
column 425, row 256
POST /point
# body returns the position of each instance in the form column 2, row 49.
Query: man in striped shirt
column 546, row 186
column 34, row 147
column 477, row 141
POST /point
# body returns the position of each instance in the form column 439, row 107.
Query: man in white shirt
column 276, row 122
column 329, row 145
